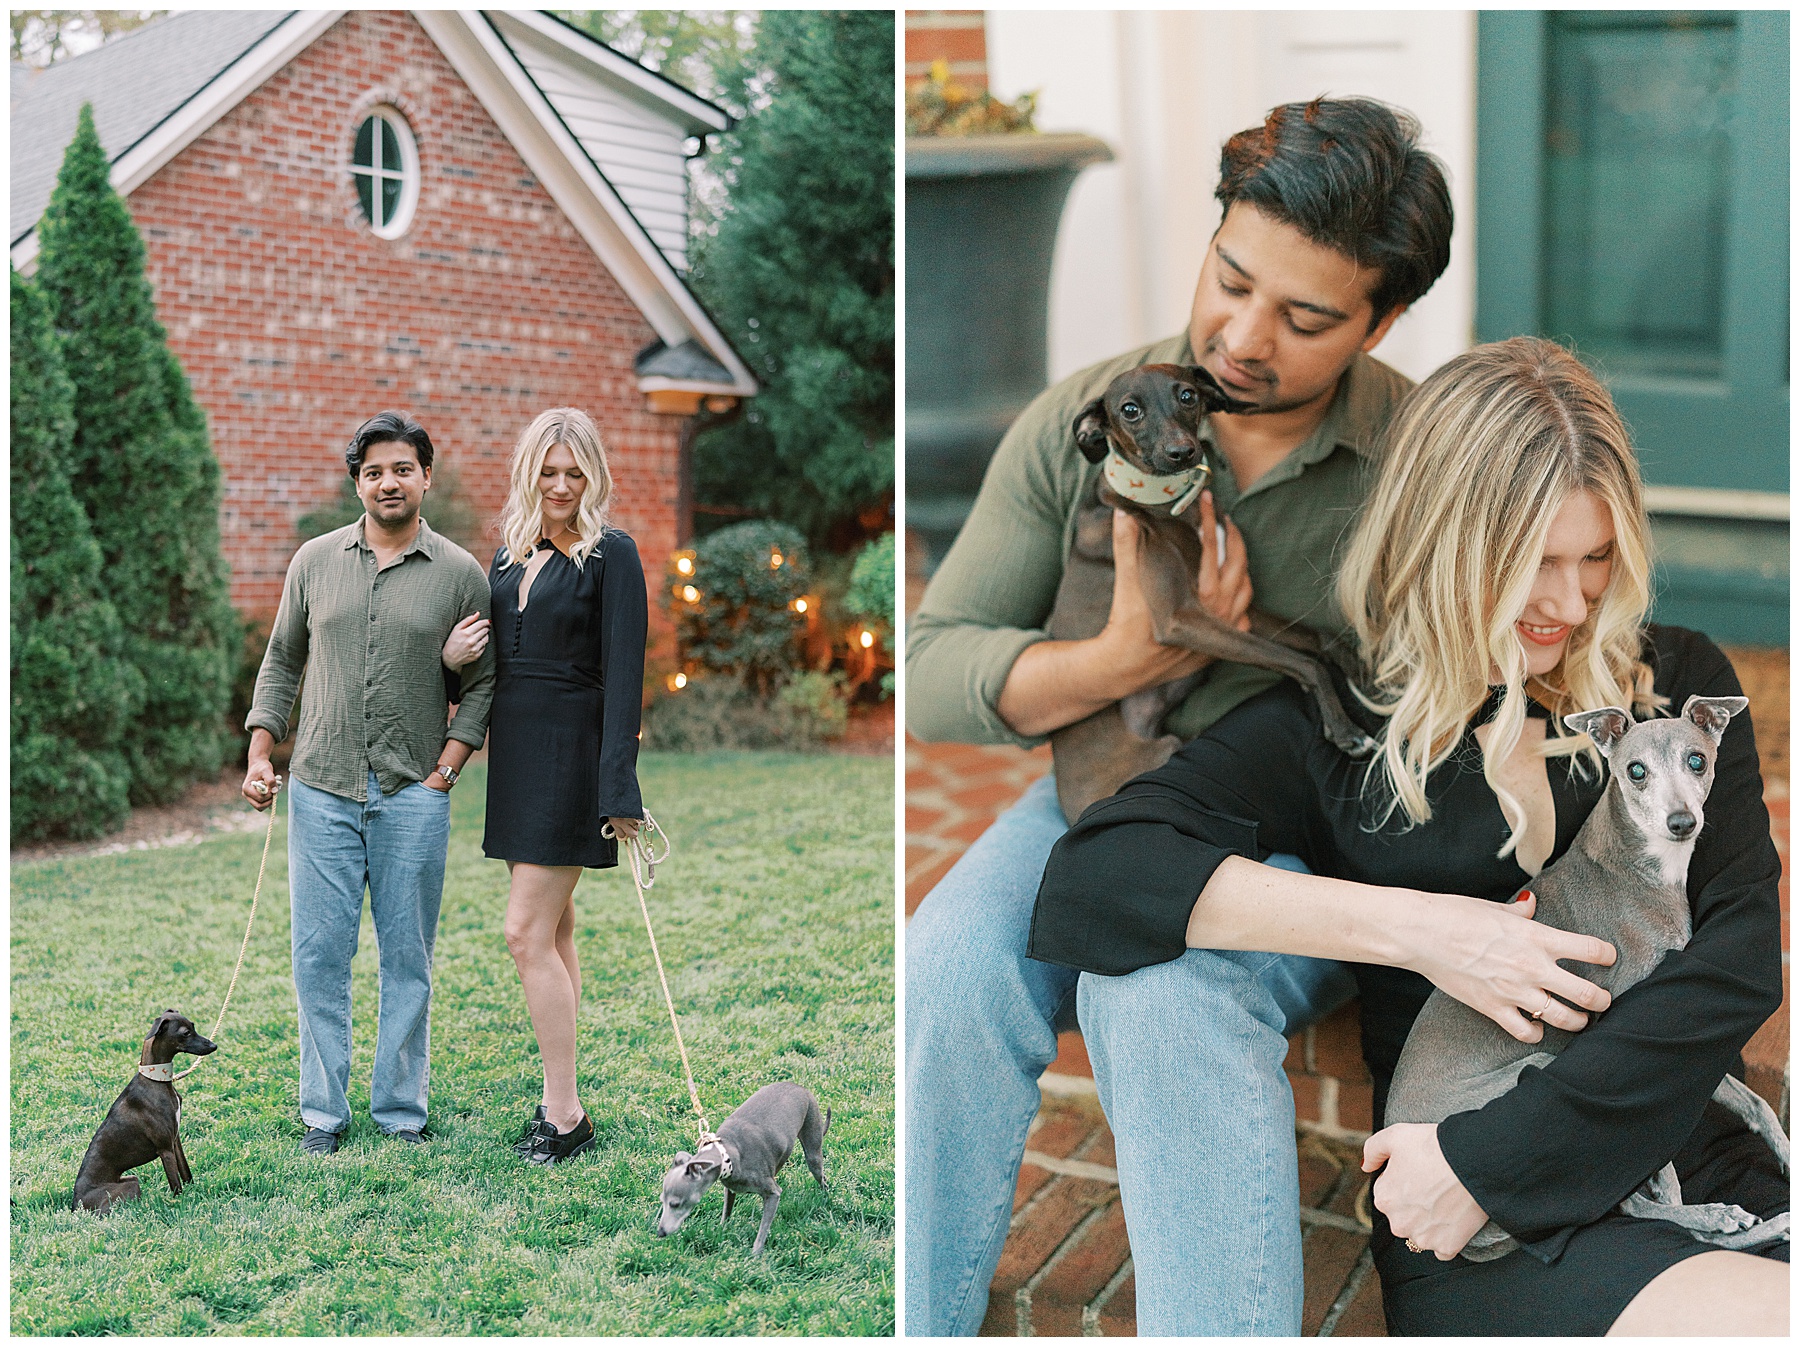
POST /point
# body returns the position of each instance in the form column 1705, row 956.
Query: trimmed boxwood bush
column 741, row 620
column 72, row 692
column 142, row 469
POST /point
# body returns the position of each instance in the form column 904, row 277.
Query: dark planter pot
column 981, row 220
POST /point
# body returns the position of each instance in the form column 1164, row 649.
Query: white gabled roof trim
column 186, row 124
column 488, row 66
column 626, row 69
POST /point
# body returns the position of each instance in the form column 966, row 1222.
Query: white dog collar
column 163, row 1071
column 1174, row 491
column 710, row 1141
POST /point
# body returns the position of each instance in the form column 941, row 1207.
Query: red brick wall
column 294, row 321
column 955, row 36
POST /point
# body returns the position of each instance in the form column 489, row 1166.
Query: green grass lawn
column 775, row 918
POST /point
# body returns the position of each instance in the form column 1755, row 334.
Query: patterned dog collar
column 1175, row 491
column 709, row 1142
column 163, row 1071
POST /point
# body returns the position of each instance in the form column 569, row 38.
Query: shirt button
column 368, row 715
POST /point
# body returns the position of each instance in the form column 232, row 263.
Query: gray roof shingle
column 134, row 83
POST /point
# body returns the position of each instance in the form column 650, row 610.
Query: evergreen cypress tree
column 142, row 468
column 801, row 275
column 72, row 692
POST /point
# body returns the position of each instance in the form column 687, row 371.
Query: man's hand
column 1420, row 1194
column 1224, row 581
column 260, row 782
column 625, row 829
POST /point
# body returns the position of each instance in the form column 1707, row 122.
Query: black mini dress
column 563, row 732
column 1550, row 1159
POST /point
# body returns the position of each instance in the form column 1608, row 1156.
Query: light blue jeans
column 1187, row 1058
column 393, row 845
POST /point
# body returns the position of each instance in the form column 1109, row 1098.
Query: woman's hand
column 1424, row 1201
column 1494, row 958
column 625, row 829
column 466, row 641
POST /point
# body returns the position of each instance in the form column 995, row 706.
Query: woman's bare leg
column 541, row 903
column 1719, row 1294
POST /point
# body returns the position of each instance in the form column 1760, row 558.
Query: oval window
column 384, row 165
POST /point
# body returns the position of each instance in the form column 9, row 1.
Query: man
column 364, row 613
column 1335, row 222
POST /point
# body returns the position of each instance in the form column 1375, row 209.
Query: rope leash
column 274, row 809
column 644, row 860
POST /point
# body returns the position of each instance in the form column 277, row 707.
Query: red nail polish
column 1523, row 895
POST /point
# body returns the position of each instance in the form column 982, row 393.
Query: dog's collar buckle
column 1173, row 491
column 163, row 1071
column 710, row 1141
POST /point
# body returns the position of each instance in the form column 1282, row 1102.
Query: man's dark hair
column 1349, row 174
column 384, row 428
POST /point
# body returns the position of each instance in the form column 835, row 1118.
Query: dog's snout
column 1681, row 825
column 1181, row 454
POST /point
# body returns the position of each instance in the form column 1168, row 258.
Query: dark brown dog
column 142, row 1125
column 1146, row 429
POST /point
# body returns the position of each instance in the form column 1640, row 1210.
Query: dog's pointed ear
column 681, row 1158
column 1605, row 726
column 1713, row 714
column 1214, row 396
column 699, row 1168
column 156, row 1025
column 1090, row 430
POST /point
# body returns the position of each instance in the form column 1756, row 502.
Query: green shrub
column 144, row 473
column 871, row 594
column 719, row 712
column 73, row 693
column 816, row 702
column 741, row 619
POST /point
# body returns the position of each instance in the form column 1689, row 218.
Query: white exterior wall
column 635, row 144
column 1165, row 89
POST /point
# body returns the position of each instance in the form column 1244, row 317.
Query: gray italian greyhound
column 1623, row 879
column 1145, row 431
column 749, row 1151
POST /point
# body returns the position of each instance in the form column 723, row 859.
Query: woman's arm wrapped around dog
column 1572, row 1140
column 1166, row 865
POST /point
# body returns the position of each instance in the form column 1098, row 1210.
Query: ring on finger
column 1413, row 1245
column 1549, row 1001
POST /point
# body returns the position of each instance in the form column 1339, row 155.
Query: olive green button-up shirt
column 993, row 593
column 370, row 640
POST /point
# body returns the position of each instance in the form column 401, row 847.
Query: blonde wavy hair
column 1473, row 468
column 522, row 520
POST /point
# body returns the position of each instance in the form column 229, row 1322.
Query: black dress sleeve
column 1120, row 885
column 624, row 626
column 1574, row 1139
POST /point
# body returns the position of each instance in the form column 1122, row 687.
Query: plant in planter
column 984, row 196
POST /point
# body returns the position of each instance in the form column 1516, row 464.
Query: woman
column 569, row 622
column 1497, row 579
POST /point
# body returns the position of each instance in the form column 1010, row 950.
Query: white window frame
column 407, row 171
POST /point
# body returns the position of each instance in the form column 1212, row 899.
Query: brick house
column 469, row 215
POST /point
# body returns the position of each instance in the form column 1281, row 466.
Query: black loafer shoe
column 528, row 1137
column 412, row 1136
column 551, row 1147
column 318, row 1141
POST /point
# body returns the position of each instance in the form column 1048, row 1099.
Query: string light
column 684, row 564
column 691, row 594
column 775, row 560
column 676, row 681
column 867, row 639
column 798, row 605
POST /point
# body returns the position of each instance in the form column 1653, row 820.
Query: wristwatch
column 448, row 772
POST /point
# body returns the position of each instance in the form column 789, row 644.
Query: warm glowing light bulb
column 798, row 605
column 867, row 639
column 689, row 593
column 774, row 561
column 685, row 565
column 680, row 680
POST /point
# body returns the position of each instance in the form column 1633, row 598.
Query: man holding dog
column 1335, row 222
column 364, row 614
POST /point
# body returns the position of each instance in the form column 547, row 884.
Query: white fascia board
column 532, row 127
column 657, row 383
column 623, row 67
column 183, row 127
